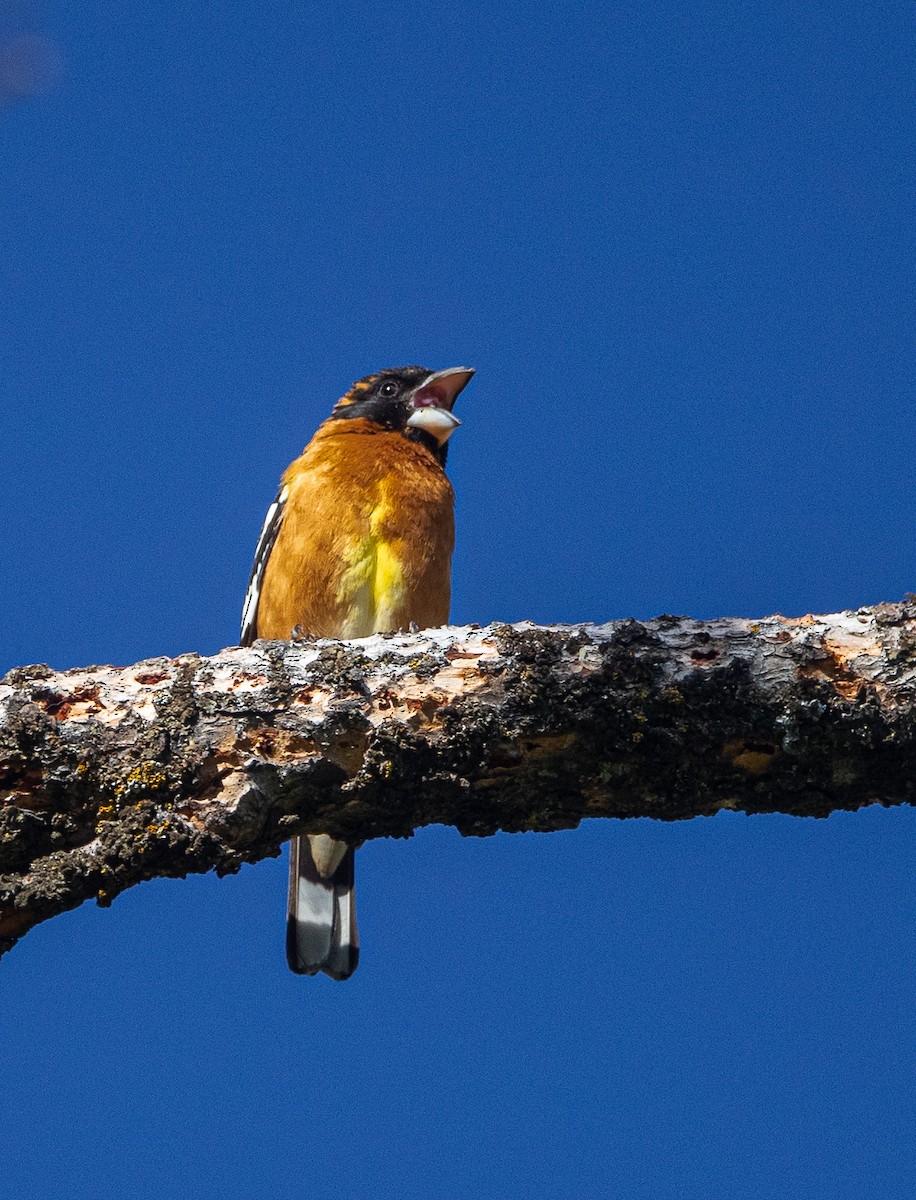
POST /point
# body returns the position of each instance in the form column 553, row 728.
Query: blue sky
column 674, row 242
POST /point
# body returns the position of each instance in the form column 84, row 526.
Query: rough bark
column 113, row 775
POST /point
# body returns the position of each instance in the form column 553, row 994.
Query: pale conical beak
column 432, row 402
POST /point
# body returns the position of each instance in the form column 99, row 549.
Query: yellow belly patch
column 371, row 590
column 388, row 593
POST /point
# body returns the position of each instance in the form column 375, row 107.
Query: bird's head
column 410, row 400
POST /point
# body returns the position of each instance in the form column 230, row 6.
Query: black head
column 410, row 400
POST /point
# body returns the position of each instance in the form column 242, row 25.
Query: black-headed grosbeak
column 358, row 541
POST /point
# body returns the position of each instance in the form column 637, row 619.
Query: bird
column 357, row 541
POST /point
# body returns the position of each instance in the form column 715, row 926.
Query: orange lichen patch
column 753, row 757
column 105, row 812
column 147, row 775
column 148, row 678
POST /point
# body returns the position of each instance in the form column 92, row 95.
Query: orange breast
column 366, row 540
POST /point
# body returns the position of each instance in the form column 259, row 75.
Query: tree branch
column 109, row 776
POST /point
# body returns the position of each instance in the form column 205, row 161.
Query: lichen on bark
column 110, row 776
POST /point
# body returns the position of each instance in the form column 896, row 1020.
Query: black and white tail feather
column 321, row 917
column 321, row 911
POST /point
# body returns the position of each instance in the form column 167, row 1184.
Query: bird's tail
column 321, row 922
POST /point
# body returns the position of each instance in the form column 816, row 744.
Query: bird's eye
column 388, row 389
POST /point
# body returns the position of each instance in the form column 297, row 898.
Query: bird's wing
column 272, row 523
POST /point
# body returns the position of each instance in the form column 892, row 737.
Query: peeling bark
column 113, row 775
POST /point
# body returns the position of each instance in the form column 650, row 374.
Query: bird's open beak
column 433, row 399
